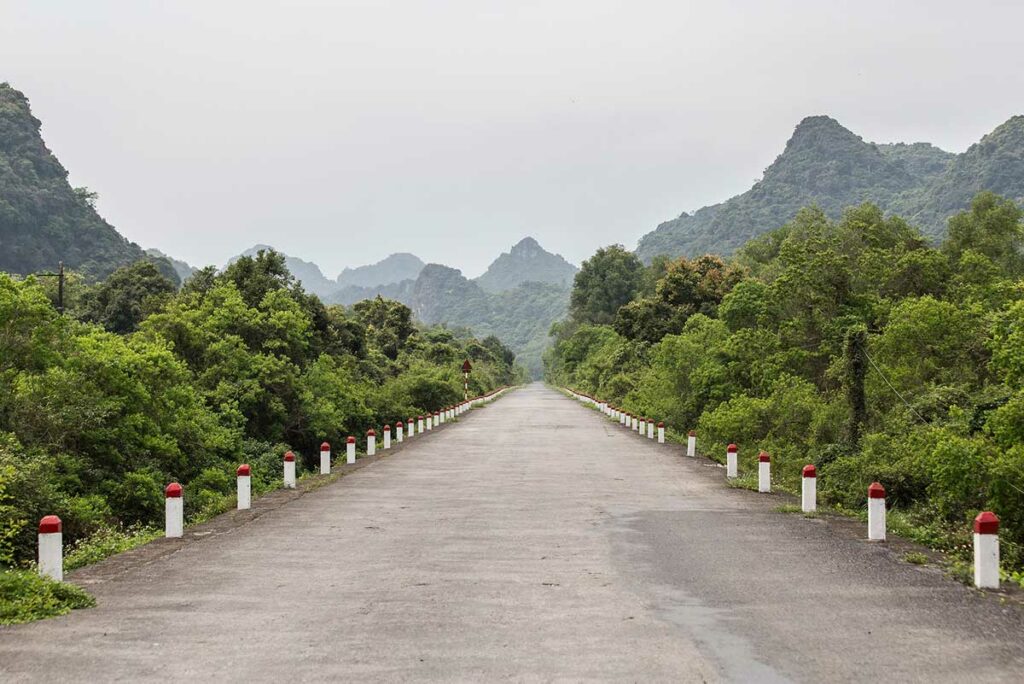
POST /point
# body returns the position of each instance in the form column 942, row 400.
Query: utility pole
column 854, row 351
column 59, row 275
column 60, row 288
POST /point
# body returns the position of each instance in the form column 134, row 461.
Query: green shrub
column 25, row 596
column 105, row 543
column 138, row 498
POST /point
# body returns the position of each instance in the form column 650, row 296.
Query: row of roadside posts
column 986, row 524
column 51, row 542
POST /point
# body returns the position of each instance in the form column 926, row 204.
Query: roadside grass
column 107, row 542
column 915, row 558
column 25, row 596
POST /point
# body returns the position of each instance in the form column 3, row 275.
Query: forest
column 140, row 384
column 853, row 344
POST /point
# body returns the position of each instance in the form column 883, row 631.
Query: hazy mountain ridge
column 43, row 220
column 526, row 262
column 825, row 164
column 520, row 316
column 392, row 269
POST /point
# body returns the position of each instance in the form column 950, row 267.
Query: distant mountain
column 827, row 165
column 526, row 262
column 184, row 270
column 995, row 163
column 43, row 220
column 392, row 269
column 520, row 317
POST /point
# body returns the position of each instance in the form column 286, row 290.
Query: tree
column 991, row 227
column 124, row 299
column 605, row 282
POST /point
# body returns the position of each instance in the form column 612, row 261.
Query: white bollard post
column 325, row 459
column 731, row 461
column 387, row 437
column 437, row 418
column 289, row 470
column 174, row 511
column 691, row 444
column 442, row 416
column 809, row 489
column 876, row 512
column 419, row 425
column 764, row 472
column 643, row 426
column 244, row 477
column 650, row 429
column 51, row 548
column 430, row 422
column 661, row 433
column 412, row 427
column 635, row 423
column 350, row 450
column 986, row 550
column 399, row 432
column 371, row 442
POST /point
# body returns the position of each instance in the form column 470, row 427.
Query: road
column 531, row 541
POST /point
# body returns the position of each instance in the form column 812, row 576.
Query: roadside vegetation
column 141, row 384
column 854, row 344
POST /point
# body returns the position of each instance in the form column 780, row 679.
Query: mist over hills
column 825, row 164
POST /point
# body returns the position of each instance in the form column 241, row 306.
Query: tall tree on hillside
column 606, row 281
column 991, row 227
column 129, row 295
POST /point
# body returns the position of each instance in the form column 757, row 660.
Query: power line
column 895, row 391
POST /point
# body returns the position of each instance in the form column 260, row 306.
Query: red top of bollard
column 325, row 447
column 173, row 491
column 661, row 425
column 399, row 424
column 371, row 433
column 49, row 524
column 810, row 471
column 350, row 440
column 411, row 421
column 693, row 433
column 763, row 457
column 419, row 417
column 986, row 523
column 732, row 448
column 289, row 457
column 243, row 470
column 387, row 428
column 876, row 491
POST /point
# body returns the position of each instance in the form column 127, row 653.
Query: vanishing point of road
column 533, row 540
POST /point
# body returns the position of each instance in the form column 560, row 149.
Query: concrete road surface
column 531, row 541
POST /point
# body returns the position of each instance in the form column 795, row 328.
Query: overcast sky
column 341, row 132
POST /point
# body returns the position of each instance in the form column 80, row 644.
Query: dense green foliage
column 827, row 166
column 850, row 344
column 43, row 220
column 25, row 596
column 154, row 385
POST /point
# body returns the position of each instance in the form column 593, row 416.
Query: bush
column 25, row 596
column 105, row 543
column 138, row 498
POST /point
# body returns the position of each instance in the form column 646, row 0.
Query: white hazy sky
column 341, row 132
